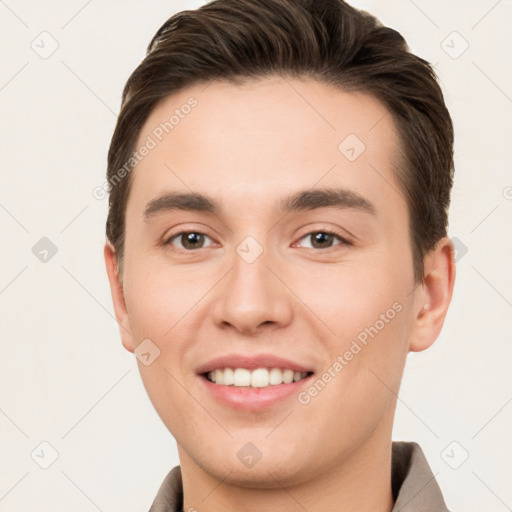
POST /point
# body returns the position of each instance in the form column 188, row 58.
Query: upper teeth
column 259, row 378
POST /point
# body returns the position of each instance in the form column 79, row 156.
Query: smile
column 257, row 378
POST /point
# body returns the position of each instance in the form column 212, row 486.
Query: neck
column 362, row 481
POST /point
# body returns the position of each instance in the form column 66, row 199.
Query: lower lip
column 253, row 399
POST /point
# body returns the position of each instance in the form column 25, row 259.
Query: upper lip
column 251, row 362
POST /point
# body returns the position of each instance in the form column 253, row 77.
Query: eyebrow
column 301, row 200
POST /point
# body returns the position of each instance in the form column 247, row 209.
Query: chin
column 273, row 470
column 265, row 475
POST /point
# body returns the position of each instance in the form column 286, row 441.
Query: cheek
column 364, row 311
column 162, row 384
column 351, row 295
column 159, row 299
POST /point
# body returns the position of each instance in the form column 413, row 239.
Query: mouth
column 253, row 382
column 254, row 378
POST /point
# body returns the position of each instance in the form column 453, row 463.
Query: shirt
column 414, row 486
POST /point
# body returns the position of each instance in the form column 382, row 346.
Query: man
column 280, row 178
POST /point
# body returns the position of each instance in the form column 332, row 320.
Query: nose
column 252, row 295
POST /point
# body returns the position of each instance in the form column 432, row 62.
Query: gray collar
column 414, row 486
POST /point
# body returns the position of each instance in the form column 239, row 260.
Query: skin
column 248, row 146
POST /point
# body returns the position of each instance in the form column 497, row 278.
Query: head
column 277, row 112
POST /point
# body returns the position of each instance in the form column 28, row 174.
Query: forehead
column 266, row 138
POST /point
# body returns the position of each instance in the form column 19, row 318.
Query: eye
column 324, row 239
column 188, row 240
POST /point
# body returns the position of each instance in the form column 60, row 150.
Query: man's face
column 262, row 276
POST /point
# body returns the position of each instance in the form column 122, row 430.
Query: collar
column 414, row 486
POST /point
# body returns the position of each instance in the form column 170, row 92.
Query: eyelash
column 343, row 241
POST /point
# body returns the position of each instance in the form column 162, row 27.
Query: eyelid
column 325, row 228
column 344, row 240
column 168, row 238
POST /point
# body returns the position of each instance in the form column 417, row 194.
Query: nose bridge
column 251, row 294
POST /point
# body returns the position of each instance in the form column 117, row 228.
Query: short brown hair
column 327, row 40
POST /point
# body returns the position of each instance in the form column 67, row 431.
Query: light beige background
column 65, row 378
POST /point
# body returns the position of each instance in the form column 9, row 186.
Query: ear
column 118, row 300
column 433, row 296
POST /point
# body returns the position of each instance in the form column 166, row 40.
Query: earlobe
column 118, row 299
column 434, row 296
